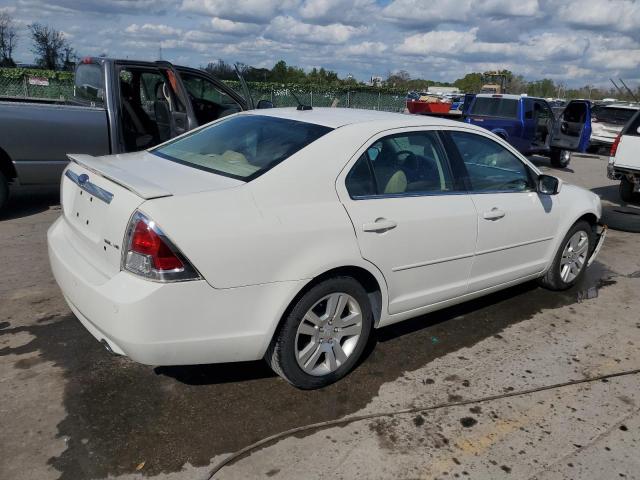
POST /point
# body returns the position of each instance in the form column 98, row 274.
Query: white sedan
column 290, row 234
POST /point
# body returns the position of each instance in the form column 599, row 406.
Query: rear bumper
column 601, row 140
column 167, row 323
column 615, row 172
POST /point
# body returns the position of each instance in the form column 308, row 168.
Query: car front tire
column 324, row 334
column 560, row 158
column 570, row 262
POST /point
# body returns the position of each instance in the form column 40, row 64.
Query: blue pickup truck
column 528, row 123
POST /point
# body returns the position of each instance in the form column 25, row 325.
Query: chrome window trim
column 83, row 182
column 410, row 194
column 438, row 193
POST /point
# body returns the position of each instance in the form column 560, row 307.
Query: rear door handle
column 381, row 225
column 494, row 214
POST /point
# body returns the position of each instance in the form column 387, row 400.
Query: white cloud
column 253, row 11
column 286, row 28
column 416, row 13
column 351, row 12
column 506, row 8
column 221, row 25
column 149, row 30
column 618, row 15
column 100, row 6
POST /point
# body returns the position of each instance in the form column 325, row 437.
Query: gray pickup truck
column 118, row 106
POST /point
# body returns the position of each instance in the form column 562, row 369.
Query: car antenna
column 301, row 106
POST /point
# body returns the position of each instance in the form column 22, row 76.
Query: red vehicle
column 428, row 107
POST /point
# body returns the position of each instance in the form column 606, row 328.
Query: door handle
column 381, row 225
column 494, row 214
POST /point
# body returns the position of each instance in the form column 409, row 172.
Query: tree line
column 402, row 80
column 50, row 47
column 279, row 73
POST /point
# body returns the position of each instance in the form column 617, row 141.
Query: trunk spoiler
column 101, row 166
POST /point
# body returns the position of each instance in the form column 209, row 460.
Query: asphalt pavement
column 524, row 383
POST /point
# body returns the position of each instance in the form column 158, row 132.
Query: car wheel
column 626, row 190
column 4, row 192
column 570, row 261
column 560, row 158
column 323, row 335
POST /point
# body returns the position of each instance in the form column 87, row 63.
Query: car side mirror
column 265, row 104
column 548, row 185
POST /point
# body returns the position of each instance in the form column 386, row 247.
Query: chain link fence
column 317, row 96
column 31, row 85
column 28, row 86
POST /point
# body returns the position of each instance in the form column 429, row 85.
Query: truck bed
column 38, row 134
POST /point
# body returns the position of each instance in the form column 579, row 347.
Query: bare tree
column 8, row 40
column 50, row 47
column 69, row 58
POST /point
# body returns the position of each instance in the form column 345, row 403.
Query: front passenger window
column 490, row 166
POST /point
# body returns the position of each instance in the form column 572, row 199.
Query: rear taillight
column 150, row 254
column 614, row 147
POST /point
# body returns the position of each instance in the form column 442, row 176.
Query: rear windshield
column 243, row 146
column 615, row 116
column 89, row 84
column 495, row 107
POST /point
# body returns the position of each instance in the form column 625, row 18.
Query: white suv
column 607, row 122
column 624, row 160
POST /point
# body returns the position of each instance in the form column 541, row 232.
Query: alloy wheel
column 574, row 256
column 328, row 334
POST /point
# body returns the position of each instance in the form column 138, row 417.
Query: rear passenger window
column 490, row 166
column 407, row 163
column 360, row 182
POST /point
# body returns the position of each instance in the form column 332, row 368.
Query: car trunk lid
column 100, row 194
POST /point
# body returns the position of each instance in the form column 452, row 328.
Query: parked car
column 290, row 234
column 118, row 106
column 608, row 122
column 624, row 160
column 530, row 125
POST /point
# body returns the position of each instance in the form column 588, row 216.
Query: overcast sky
column 576, row 41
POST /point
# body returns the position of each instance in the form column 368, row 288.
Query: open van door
column 572, row 129
column 468, row 98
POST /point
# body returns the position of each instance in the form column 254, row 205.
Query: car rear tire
column 4, row 192
column 560, row 158
column 322, row 337
column 626, row 190
column 571, row 259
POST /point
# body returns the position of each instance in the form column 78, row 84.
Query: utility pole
column 628, row 89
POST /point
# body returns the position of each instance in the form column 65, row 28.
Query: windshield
column 495, row 107
column 243, row 146
column 615, row 115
